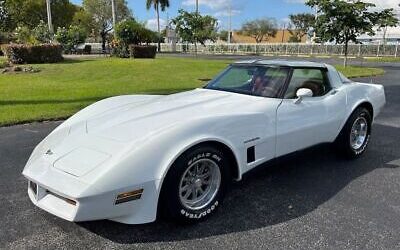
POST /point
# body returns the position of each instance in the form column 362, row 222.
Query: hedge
column 45, row 53
column 142, row 51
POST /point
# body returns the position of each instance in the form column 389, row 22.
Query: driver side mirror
column 303, row 93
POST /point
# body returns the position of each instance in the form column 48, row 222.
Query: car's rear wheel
column 195, row 185
column 355, row 135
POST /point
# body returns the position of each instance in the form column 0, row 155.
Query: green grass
column 383, row 59
column 356, row 71
column 62, row 89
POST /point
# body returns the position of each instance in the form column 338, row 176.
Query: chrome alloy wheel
column 199, row 184
column 359, row 133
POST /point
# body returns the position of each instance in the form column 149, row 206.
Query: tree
column 70, row 38
column 130, row 32
column 223, row 35
column 260, row 29
column 3, row 39
column 195, row 28
column 38, row 35
column 101, row 13
column 301, row 24
column 157, row 4
column 42, row 33
column 4, row 34
column 386, row 18
column 343, row 21
column 3, row 15
column 83, row 19
column 29, row 13
column 23, row 35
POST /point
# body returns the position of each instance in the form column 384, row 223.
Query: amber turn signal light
column 129, row 196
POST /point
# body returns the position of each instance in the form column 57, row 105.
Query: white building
column 392, row 37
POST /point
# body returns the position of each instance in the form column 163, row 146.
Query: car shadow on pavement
column 271, row 194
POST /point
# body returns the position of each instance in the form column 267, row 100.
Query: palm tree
column 49, row 21
column 157, row 4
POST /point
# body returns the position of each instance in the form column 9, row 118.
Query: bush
column 39, row 35
column 142, row 51
column 46, row 53
column 70, row 38
column 130, row 32
column 24, row 35
column 4, row 37
column 150, row 36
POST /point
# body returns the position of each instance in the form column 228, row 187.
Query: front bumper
column 55, row 204
column 65, row 196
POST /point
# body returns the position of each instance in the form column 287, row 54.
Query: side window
column 314, row 79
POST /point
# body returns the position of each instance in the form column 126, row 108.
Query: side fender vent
column 251, row 154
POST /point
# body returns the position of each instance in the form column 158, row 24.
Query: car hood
column 132, row 121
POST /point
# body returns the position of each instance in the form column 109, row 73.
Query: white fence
column 357, row 50
column 290, row 49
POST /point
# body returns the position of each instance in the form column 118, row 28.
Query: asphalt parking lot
column 314, row 200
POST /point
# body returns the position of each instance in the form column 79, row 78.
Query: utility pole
column 230, row 22
column 49, row 21
column 315, row 33
column 114, row 15
column 197, row 6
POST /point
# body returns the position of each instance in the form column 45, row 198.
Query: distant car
column 130, row 158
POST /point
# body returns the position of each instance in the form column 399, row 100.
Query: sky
column 242, row 10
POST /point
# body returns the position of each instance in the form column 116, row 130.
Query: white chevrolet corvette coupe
column 130, row 158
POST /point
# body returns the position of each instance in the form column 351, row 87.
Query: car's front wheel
column 355, row 135
column 195, row 185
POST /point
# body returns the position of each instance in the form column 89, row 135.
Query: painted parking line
column 391, row 122
column 394, row 163
column 32, row 131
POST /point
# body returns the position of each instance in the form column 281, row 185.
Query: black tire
column 343, row 142
column 171, row 204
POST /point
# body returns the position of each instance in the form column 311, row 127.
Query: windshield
column 266, row 81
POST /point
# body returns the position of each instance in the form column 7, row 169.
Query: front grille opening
column 69, row 201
